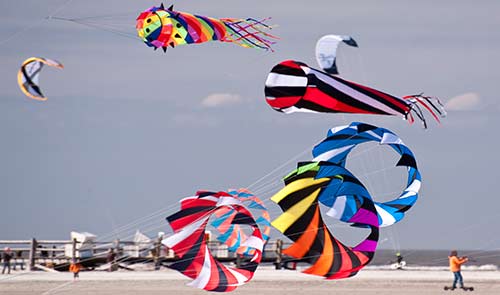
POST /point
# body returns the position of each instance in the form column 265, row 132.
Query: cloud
column 464, row 102
column 218, row 99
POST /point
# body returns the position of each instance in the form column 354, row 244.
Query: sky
column 127, row 131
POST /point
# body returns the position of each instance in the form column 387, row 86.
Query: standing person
column 400, row 263
column 111, row 259
column 19, row 259
column 75, row 268
column 399, row 258
column 6, row 256
column 455, row 265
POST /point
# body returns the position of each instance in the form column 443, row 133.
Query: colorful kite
column 160, row 27
column 28, row 76
column 339, row 143
column 231, row 233
column 189, row 243
column 292, row 86
column 326, row 51
column 301, row 220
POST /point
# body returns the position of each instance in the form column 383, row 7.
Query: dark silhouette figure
column 6, row 256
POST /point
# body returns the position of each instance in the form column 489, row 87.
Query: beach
column 266, row 281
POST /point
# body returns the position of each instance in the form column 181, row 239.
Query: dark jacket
column 6, row 257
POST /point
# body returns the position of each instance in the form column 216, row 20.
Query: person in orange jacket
column 75, row 268
column 455, row 264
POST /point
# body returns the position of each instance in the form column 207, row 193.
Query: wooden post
column 73, row 250
column 117, row 247
column 114, row 265
column 156, row 258
column 279, row 257
column 32, row 256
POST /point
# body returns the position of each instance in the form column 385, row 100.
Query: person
column 75, row 268
column 111, row 259
column 455, row 265
column 6, row 256
column 399, row 258
column 19, row 259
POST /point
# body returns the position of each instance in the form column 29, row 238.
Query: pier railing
column 58, row 254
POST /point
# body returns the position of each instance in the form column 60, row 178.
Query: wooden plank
column 39, row 266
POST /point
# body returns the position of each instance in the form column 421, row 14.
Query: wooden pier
column 58, row 254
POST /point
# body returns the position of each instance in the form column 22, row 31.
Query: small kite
column 28, row 76
column 292, row 86
column 189, row 242
column 340, row 141
column 231, row 232
column 159, row 28
column 301, row 220
column 326, row 51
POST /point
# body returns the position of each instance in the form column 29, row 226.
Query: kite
column 326, row 51
column 160, row 27
column 301, row 220
column 232, row 234
column 190, row 245
column 28, row 76
column 292, row 86
column 340, row 141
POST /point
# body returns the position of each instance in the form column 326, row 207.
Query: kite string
column 161, row 211
column 272, row 183
column 105, row 27
column 35, row 24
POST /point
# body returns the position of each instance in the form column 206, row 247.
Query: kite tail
column 249, row 33
column 432, row 104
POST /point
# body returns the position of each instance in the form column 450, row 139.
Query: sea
column 436, row 259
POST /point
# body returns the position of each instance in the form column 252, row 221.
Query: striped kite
column 160, row 27
column 340, row 141
column 231, row 232
column 190, row 245
column 28, row 76
column 302, row 222
column 293, row 86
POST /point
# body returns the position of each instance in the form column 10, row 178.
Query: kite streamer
column 293, row 86
column 339, row 143
column 189, row 243
column 302, row 222
column 160, row 27
column 231, row 232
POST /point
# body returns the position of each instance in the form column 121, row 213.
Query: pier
column 56, row 255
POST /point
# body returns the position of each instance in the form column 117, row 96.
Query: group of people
column 7, row 257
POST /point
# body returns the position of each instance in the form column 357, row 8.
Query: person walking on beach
column 455, row 265
column 75, row 268
column 6, row 256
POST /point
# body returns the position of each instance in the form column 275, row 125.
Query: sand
column 267, row 281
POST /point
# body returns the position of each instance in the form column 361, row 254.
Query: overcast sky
column 127, row 131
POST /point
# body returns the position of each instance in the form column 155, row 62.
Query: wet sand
column 265, row 282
